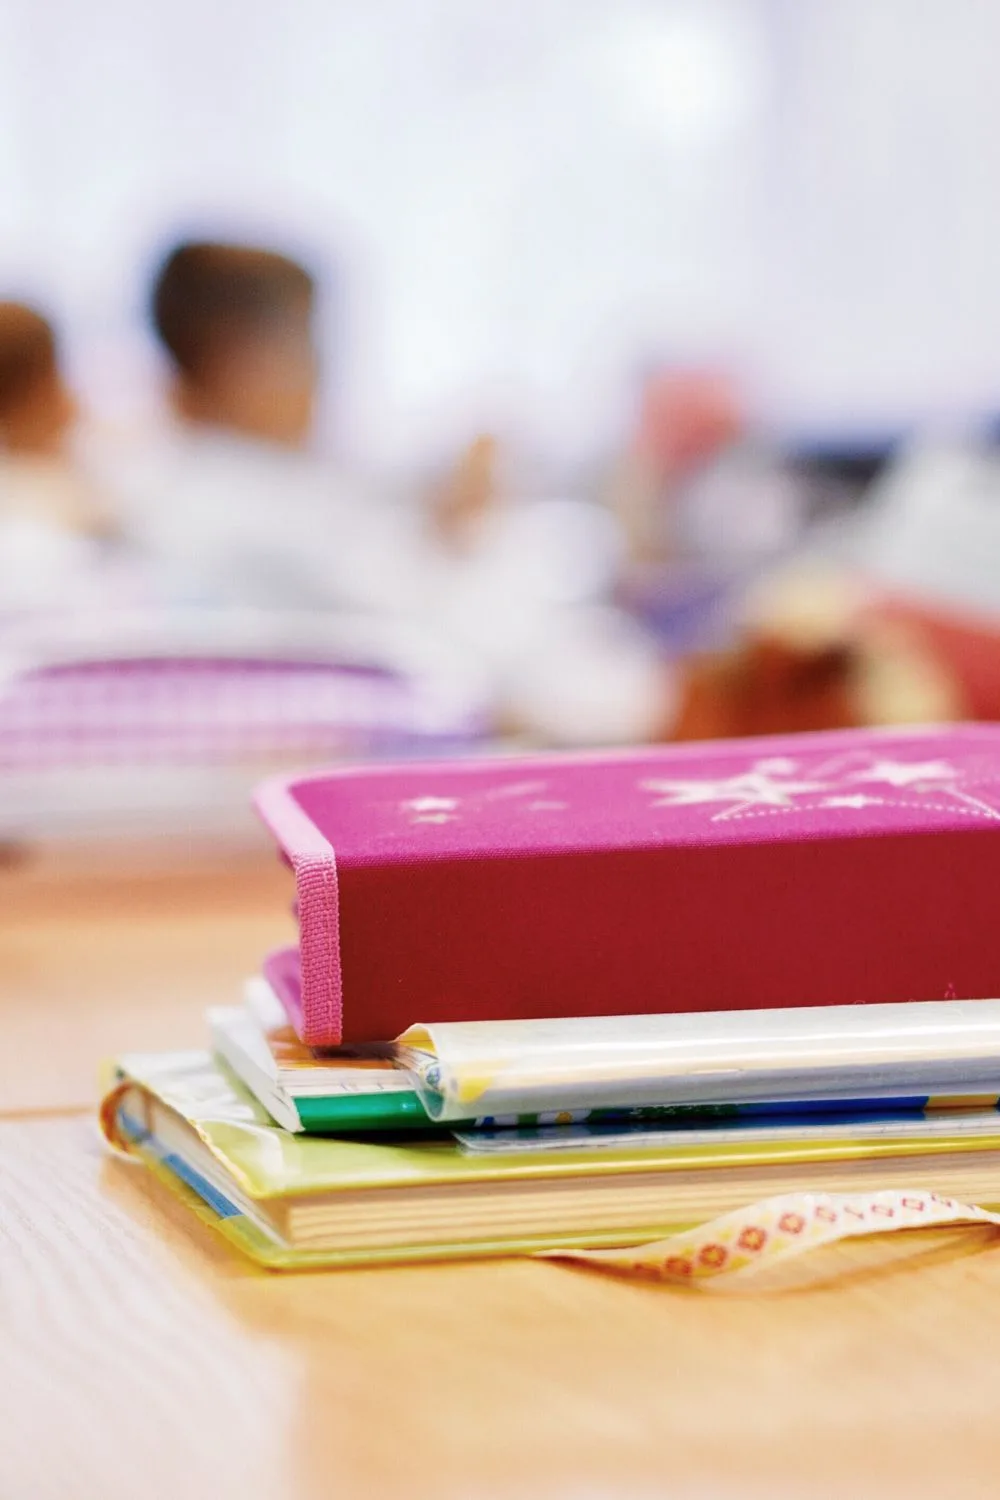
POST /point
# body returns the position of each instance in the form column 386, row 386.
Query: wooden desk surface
column 138, row 1357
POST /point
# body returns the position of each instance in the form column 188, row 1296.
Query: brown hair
column 27, row 353
column 207, row 296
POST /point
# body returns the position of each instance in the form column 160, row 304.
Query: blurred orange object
column 768, row 688
column 817, row 653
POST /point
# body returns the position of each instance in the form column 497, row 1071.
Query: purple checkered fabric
column 215, row 711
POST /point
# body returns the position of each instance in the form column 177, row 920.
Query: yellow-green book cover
column 298, row 1201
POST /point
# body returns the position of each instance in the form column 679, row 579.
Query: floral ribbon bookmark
column 757, row 1247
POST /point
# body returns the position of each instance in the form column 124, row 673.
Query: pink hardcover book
column 808, row 870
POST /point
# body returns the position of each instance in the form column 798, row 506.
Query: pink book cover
column 808, row 870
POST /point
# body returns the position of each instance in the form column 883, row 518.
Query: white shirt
column 229, row 521
column 44, row 562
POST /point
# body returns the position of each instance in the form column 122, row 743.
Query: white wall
column 531, row 197
column 885, row 209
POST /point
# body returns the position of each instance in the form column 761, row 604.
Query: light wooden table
column 139, row 1358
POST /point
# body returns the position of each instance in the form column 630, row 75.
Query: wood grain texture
column 90, row 968
column 139, row 1357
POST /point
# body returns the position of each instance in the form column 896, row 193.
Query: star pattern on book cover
column 849, row 781
column 431, row 808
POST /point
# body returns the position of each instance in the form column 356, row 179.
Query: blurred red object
column 685, row 418
column 965, row 644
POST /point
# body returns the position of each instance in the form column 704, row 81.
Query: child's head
column 237, row 325
column 36, row 409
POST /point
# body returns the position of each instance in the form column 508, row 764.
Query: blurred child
column 236, row 323
column 233, row 509
column 36, row 409
column 50, row 520
column 227, row 507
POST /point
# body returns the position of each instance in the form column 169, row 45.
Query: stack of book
column 625, row 970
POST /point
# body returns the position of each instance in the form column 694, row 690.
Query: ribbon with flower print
column 757, row 1246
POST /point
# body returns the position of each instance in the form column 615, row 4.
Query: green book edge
column 362, row 1112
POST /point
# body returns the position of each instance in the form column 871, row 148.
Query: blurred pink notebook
column 810, row 870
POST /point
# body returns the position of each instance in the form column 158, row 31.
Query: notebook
column 305, row 1088
column 297, row 1201
column 851, row 867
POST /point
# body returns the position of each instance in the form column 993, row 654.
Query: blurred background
column 515, row 207
column 399, row 380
